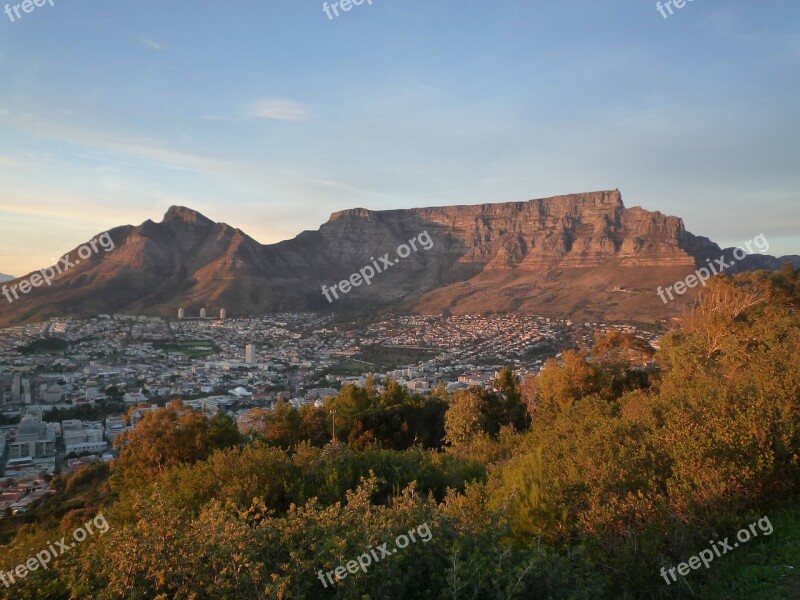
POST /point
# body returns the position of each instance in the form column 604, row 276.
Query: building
column 321, row 394
column 115, row 424
column 222, row 313
column 52, row 394
column 181, row 313
column 16, row 388
column 202, row 313
column 34, row 439
column 250, row 354
column 134, row 397
column 82, row 437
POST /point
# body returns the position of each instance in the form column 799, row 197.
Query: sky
column 270, row 116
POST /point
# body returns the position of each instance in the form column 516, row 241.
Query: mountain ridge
column 578, row 255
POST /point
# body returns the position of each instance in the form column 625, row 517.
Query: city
column 118, row 367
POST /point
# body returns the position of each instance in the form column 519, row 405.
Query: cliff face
column 582, row 255
column 583, row 229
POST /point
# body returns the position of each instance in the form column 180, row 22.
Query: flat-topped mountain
column 581, row 255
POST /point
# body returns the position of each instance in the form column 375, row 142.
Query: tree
column 507, row 383
column 168, row 437
column 464, row 421
column 560, row 384
column 281, row 426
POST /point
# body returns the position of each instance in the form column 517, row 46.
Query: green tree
column 464, row 421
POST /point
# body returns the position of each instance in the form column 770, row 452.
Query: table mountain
column 580, row 255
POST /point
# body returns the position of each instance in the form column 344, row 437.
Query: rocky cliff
column 581, row 255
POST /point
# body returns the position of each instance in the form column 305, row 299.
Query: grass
column 378, row 359
column 392, row 358
column 192, row 348
column 766, row 568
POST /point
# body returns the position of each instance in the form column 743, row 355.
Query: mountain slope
column 582, row 255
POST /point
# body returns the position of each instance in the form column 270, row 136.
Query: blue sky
column 269, row 116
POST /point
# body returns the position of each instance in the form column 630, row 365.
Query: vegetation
column 195, row 348
column 381, row 358
column 51, row 345
column 582, row 482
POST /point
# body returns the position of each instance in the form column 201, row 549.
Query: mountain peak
column 581, row 255
column 186, row 215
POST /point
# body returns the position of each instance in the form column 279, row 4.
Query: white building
column 115, row 424
column 88, row 437
column 34, row 439
column 134, row 397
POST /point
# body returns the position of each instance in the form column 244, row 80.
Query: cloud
column 112, row 147
column 278, row 110
column 149, row 43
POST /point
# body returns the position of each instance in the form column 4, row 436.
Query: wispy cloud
column 111, row 147
column 278, row 110
column 150, row 43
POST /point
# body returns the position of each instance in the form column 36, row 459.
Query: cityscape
column 122, row 366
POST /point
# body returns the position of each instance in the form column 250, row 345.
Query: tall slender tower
column 16, row 388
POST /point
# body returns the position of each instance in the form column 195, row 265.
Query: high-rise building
column 181, row 313
column 222, row 313
column 250, row 354
column 202, row 313
column 16, row 388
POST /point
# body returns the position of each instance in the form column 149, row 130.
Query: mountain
column 581, row 255
column 6, row 277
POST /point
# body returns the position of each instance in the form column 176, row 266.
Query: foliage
column 166, row 438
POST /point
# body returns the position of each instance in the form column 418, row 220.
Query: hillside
column 581, row 255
